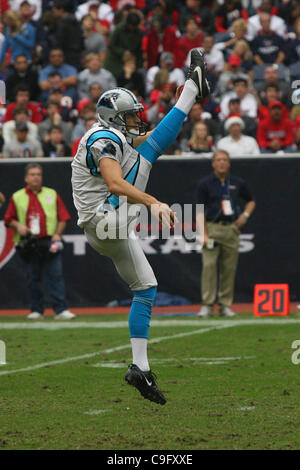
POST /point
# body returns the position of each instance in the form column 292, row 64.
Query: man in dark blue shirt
column 267, row 47
column 221, row 193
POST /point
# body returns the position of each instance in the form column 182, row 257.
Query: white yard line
column 168, row 360
column 211, row 324
column 45, row 325
column 200, row 360
column 109, row 351
column 122, row 365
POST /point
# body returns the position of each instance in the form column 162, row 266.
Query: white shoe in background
column 65, row 315
column 205, row 312
column 227, row 312
column 35, row 316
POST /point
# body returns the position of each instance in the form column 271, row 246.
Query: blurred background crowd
column 58, row 57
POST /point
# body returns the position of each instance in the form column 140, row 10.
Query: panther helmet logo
column 7, row 246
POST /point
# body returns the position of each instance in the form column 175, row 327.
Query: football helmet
column 114, row 105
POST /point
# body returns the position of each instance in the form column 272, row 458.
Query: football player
column 114, row 160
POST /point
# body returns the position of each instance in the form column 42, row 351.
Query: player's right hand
column 164, row 214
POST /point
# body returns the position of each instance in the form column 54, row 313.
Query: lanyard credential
column 226, row 203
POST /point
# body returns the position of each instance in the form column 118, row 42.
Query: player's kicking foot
column 197, row 73
column 145, row 383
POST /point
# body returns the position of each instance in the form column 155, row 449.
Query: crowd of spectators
column 57, row 58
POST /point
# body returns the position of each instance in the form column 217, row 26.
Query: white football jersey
column 90, row 191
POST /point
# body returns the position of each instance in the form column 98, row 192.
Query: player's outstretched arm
column 112, row 174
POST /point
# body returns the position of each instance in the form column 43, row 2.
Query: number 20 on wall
column 271, row 299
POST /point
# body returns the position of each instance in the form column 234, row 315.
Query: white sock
column 139, row 353
column 187, row 97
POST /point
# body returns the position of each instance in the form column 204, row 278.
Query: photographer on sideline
column 220, row 192
column 39, row 218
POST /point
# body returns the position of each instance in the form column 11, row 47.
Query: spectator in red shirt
column 38, row 215
column 160, row 38
column 271, row 94
column 276, row 133
column 4, row 5
column 192, row 38
column 23, row 99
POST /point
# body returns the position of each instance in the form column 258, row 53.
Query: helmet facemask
column 121, row 120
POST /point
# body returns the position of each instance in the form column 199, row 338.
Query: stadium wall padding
column 269, row 250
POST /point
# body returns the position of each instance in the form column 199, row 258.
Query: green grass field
column 230, row 384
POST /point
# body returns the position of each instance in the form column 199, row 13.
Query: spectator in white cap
column 236, row 143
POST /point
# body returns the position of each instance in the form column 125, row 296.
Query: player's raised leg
column 195, row 88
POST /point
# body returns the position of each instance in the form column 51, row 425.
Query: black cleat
column 145, row 383
column 197, row 72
